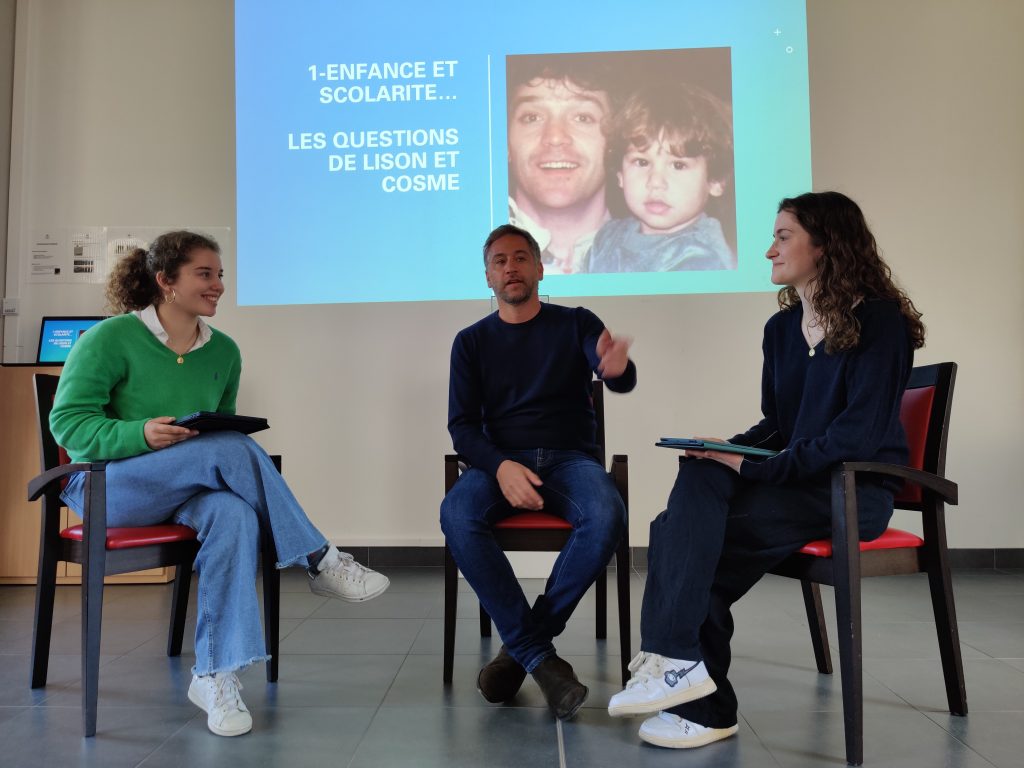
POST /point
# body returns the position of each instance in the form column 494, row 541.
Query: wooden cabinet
column 19, row 463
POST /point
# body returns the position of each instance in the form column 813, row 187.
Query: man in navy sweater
column 519, row 412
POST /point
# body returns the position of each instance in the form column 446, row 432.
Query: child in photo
column 673, row 148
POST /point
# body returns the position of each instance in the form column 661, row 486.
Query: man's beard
column 518, row 299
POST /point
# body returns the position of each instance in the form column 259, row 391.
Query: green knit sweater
column 119, row 376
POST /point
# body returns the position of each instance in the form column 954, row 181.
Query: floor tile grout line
column 952, row 735
column 750, row 727
column 913, row 707
column 561, row 743
column 380, row 705
column 169, row 737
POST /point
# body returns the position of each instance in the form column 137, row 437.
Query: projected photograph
column 647, row 158
column 623, row 161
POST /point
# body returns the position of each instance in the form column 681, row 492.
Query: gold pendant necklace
column 181, row 357
column 806, row 331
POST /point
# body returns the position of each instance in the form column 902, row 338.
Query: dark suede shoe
column 562, row 691
column 501, row 679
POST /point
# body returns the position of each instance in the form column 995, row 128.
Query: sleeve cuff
column 752, row 470
column 625, row 382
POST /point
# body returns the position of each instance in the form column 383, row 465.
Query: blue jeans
column 575, row 488
column 224, row 486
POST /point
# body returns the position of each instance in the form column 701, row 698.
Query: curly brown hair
column 693, row 122
column 132, row 284
column 850, row 270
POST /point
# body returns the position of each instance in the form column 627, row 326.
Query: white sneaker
column 659, row 682
column 668, row 730
column 341, row 576
column 217, row 695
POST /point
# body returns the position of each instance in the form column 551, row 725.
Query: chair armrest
column 38, row 485
column 947, row 490
column 453, row 467
column 620, row 476
column 620, row 466
column 453, row 458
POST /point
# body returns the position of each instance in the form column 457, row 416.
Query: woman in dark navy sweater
column 837, row 357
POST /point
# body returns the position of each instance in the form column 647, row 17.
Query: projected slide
column 646, row 151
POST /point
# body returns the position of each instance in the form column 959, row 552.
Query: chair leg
column 92, row 613
column 485, row 623
column 846, row 575
column 451, row 598
column 179, row 607
column 601, row 620
column 271, row 596
column 949, row 638
column 851, row 670
column 622, row 582
column 271, row 609
column 620, row 476
column 46, row 588
column 816, row 623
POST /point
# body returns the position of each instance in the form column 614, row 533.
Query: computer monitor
column 57, row 335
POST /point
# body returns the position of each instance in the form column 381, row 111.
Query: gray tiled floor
column 361, row 685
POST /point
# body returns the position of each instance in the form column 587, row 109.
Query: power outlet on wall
column 10, row 306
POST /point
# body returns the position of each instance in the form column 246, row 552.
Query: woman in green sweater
column 124, row 384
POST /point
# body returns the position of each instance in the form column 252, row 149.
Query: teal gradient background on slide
column 58, row 336
column 307, row 234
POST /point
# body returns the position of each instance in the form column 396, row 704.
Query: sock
column 315, row 558
column 332, row 558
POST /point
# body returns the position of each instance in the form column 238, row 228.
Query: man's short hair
column 511, row 229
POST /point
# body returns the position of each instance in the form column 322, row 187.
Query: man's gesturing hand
column 614, row 354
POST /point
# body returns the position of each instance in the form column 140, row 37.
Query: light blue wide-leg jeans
column 224, row 485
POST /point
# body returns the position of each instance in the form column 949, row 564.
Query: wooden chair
column 103, row 551
column 843, row 560
column 542, row 532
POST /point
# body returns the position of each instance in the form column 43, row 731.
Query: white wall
column 7, row 8
column 124, row 115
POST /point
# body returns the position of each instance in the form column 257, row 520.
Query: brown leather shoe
column 501, row 679
column 563, row 692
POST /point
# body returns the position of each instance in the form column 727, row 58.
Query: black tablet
column 207, row 421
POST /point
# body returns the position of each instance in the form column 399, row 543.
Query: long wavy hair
column 850, row 269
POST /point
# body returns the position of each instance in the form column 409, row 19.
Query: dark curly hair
column 132, row 284
column 850, row 269
column 692, row 121
column 587, row 71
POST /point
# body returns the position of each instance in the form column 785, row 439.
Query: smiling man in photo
column 558, row 112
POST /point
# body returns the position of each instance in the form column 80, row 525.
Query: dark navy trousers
column 719, row 535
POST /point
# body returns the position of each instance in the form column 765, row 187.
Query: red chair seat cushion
column 541, row 520
column 129, row 538
column 893, row 538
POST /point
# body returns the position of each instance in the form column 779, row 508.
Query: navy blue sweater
column 825, row 409
column 526, row 385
